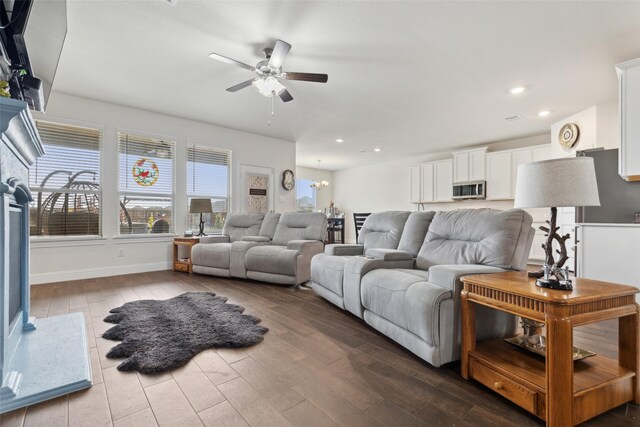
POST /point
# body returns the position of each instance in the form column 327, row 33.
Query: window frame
column 81, row 239
column 314, row 194
column 118, row 192
column 190, row 195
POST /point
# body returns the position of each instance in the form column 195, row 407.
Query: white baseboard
column 90, row 273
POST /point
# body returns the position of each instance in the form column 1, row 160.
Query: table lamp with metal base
column 569, row 182
column 201, row 206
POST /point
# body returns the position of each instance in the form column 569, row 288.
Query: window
column 65, row 182
column 146, row 190
column 305, row 196
column 209, row 176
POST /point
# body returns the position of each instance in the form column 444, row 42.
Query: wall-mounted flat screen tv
column 32, row 33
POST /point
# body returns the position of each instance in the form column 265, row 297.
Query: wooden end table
column 183, row 264
column 558, row 390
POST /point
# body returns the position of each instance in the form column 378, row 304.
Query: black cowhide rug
column 159, row 336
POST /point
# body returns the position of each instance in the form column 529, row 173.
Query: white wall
column 325, row 196
column 64, row 260
column 385, row 186
column 598, row 128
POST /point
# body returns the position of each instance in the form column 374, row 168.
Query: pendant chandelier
column 319, row 185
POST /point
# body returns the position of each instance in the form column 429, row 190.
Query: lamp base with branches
column 552, row 267
column 201, row 227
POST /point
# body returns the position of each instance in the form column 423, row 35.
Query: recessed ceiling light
column 544, row 113
column 339, row 140
column 518, row 89
column 377, row 150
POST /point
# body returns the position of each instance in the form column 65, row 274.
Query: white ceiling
column 408, row 77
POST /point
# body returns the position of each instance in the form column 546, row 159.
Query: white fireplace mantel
column 19, row 131
column 39, row 359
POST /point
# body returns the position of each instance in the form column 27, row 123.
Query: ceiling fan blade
column 307, row 77
column 285, row 96
column 231, row 61
column 280, row 51
column 240, row 86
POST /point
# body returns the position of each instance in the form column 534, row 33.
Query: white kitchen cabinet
column 427, row 182
column 569, row 229
column 461, row 166
column 537, row 254
column 499, row 175
column 432, row 182
column 469, row 165
column 629, row 99
column 422, row 183
column 518, row 157
column 502, row 169
column 415, row 186
column 609, row 252
column 542, row 152
column 477, row 164
column 443, row 181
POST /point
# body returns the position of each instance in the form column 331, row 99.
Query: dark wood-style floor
column 318, row 366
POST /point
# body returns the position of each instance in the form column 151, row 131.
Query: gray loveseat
column 275, row 248
column 412, row 293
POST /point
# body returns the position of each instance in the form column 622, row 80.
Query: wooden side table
column 558, row 390
column 183, row 264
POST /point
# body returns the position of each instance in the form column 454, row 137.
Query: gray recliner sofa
column 292, row 239
column 381, row 234
column 224, row 255
column 418, row 304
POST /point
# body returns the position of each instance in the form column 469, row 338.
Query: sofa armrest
column 360, row 265
column 305, row 245
column 306, row 250
column 388, row 254
column 261, row 239
column 214, row 239
column 448, row 276
column 344, row 249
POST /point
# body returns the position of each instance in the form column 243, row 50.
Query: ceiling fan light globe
column 268, row 86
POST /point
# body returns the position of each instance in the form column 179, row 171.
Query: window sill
column 145, row 238
column 59, row 241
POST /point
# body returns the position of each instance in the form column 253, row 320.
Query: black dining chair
column 358, row 220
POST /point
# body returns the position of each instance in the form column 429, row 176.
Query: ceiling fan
column 270, row 72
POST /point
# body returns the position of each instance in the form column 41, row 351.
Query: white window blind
column 146, row 188
column 66, row 181
column 209, row 176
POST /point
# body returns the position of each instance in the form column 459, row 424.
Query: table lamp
column 568, row 182
column 201, row 206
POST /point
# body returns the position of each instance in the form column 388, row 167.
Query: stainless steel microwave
column 470, row 190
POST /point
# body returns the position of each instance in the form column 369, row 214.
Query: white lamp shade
column 569, row 182
column 200, row 206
